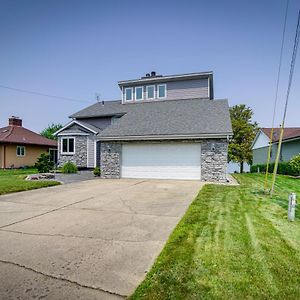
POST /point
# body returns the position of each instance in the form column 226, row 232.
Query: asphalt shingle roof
column 89, row 126
column 110, row 108
column 173, row 117
column 21, row 135
column 176, row 117
column 288, row 133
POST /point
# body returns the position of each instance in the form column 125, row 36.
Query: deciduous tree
column 244, row 131
column 48, row 132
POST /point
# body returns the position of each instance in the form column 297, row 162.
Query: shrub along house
column 289, row 148
column 163, row 127
column 21, row 147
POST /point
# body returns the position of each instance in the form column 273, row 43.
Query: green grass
column 232, row 243
column 12, row 181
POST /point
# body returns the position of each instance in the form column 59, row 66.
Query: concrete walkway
column 94, row 239
column 77, row 177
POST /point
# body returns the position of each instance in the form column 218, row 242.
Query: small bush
column 284, row 168
column 69, row 168
column 44, row 164
column 295, row 165
column 97, row 171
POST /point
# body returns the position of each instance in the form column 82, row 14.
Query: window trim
column 68, row 146
column 128, row 88
column 165, row 85
column 20, row 147
column 147, row 86
column 138, row 87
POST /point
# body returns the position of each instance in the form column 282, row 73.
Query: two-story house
column 166, row 127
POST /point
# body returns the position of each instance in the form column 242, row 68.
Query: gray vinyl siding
column 260, row 155
column 187, row 89
column 184, row 89
column 288, row 151
column 75, row 128
column 90, row 152
column 101, row 123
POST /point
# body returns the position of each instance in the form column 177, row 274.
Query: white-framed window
column 150, row 92
column 128, row 94
column 68, row 145
column 20, row 151
column 161, row 91
column 139, row 93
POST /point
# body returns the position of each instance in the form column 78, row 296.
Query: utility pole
column 276, row 98
column 293, row 61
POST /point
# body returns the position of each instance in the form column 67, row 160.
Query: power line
column 41, row 94
column 276, row 95
column 292, row 67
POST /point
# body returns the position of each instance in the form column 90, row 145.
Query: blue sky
column 76, row 49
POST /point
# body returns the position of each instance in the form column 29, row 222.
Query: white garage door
column 161, row 160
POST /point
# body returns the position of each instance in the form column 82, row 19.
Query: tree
column 244, row 131
column 48, row 132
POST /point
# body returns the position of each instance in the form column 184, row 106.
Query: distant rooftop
column 288, row 133
column 15, row 133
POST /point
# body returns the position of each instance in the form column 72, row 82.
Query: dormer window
column 128, row 94
column 150, row 92
column 139, row 93
column 161, row 91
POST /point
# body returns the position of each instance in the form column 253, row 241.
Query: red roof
column 21, row 135
column 288, row 133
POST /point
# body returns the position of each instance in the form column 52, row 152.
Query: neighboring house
column 163, row 127
column 21, row 147
column 289, row 148
column 234, row 167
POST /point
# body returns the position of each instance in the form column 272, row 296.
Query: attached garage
column 161, row 160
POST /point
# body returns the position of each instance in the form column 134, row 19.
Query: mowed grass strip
column 12, row 181
column 232, row 243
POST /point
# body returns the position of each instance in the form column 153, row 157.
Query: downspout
column 4, row 158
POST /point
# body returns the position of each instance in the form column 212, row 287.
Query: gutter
column 165, row 137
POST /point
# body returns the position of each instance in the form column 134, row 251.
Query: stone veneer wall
column 213, row 158
column 110, row 159
column 80, row 156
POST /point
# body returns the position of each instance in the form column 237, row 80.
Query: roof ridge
column 9, row 132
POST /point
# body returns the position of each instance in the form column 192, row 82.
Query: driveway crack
column 62, row 279
column 79, row 237
column 47, row 212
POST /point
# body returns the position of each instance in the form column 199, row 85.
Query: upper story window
column 128, row 94
column 20, row 150
column 139, row 93
column 161, row 91
column 150, row 92
column 68, row 145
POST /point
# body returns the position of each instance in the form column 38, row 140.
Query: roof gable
column 75, row 127
column 261, row 140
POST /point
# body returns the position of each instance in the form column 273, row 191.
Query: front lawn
column 13, row 181
column 232, row 243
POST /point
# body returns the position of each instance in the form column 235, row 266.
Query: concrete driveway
column 89, row 240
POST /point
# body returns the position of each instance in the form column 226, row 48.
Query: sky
column 77, row 49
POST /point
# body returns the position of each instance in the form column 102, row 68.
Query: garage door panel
column 164, row 160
